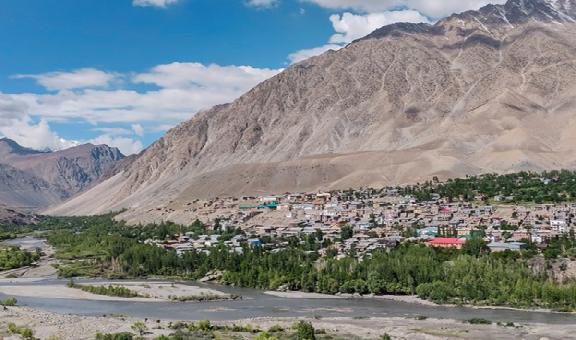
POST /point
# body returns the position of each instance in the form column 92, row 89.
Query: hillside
column 483, row 91
column 9, row 216
column 33, row 179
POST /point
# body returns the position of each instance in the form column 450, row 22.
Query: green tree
column 305, row 331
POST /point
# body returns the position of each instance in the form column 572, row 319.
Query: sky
column 123, row 72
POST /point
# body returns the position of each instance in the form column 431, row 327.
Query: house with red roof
column 446, row 242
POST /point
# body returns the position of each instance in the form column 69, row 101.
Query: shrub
column 305, row 331
column 276, row 329
column 115, row 336
column 9, row 302
column 24, row 332
column 139, row 327
column 478, row 321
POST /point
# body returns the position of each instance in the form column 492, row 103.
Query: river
column 257, row 304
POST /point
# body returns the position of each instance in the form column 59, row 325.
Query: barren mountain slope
column 9, row 216
column 33, row 179
column 482, row 91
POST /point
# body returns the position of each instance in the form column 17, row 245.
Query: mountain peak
column 511, row 14
column 10, row 146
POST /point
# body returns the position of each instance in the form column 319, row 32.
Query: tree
column 346, row 232
column 475, row 247
column 305, row 331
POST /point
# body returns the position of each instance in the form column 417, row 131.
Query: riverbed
column 257, row 304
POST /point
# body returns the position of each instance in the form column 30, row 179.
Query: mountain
column 9, row 216
column 35, row 179
column 492, row 90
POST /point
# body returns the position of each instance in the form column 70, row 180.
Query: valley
column 414, row 182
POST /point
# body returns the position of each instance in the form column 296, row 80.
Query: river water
column 257, row 304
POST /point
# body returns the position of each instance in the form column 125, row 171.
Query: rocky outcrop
column 33, row 179
column 483, row 91
column 9, row 216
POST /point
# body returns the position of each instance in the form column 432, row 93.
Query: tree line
column 471, row 275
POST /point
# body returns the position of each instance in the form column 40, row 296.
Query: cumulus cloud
column 304, row 54
column 262, row 3
column 181, row 89
column 37, row 136
column 431, row 8
column 138, row 129
column 126, row 145
column 196, row 75
column 78, row 79
column 154, row 3
column 349, row 27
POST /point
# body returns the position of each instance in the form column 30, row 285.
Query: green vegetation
column 115, row 336
column 478, row 321
column 467, row 276
column 204, row 297
column 14, row 257
column 305, row 330
column 9, row 232
column 109, row 290
column 25, row 332
column 9, row 302
column 522, row 187
column 139, row 327
column 301, row 330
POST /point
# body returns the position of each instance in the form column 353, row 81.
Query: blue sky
column 122, row 72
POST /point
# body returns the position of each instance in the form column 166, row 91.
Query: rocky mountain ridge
column 35, row 179
column 483, row 91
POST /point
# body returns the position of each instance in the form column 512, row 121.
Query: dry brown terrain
column 483, row 91
column 46, row 325
column 32, row 179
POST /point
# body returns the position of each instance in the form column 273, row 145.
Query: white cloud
column 154, row 3
column 196, row 75
column 138, row 129
column 127, row 146
column 183, row 89
column 114, row 131
column 304, row 54
column 349, row 27
column 37, row 136
column 78, row 79
column 431, row 8
column 262, row 3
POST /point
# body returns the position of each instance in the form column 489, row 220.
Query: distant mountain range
column 492, row 90
column 31, row 179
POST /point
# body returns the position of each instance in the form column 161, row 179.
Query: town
column 360, row 221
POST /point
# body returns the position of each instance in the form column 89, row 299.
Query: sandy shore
column 304, row 295
column 301, row 295
column 154, row 291
column 65, row 327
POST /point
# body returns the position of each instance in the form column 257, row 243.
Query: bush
column 305, row 331
column 275, row 329
column 265, row 336
column 478, row 321
column 9, row 302
column 24, row 332
column 115, row 336
column 139, row 327
column 109, row 290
